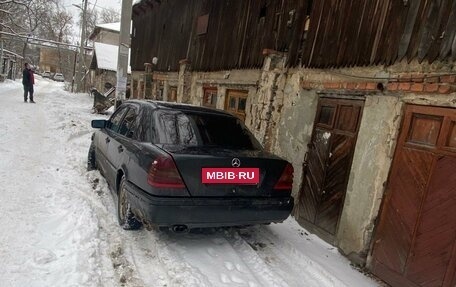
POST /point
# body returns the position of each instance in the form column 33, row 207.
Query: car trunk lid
column 191, row 161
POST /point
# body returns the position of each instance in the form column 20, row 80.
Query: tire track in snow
column 277, row 254
column 219, row 258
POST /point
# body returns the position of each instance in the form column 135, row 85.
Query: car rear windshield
column 204, row 130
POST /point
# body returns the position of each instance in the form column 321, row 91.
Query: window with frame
column 202, row 24
column 236, row 103
column 210, row 97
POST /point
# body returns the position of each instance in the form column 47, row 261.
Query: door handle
column 107, row 140
column 120, row 149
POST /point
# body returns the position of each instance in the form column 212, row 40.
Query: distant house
column 359, row 95
column 103, row 67
column 106, row 33
column 49, row 60
column 57, row 60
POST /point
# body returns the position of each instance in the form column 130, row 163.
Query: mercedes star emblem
column 236, row 162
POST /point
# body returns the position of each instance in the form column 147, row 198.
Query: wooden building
column 103, row 65
column 107, row 33
column 10, row 65
column 358, row 95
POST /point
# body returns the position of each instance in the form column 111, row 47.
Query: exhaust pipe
column 180, row 229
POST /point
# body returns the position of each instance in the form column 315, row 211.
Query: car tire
column 91, row 160
column 126, row 218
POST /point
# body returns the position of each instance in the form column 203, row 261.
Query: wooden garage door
column 328, row 165
column 415, row 239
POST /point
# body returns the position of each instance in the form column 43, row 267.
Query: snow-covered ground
column 58, row 223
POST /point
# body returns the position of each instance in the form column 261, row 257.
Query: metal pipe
column 43, row 40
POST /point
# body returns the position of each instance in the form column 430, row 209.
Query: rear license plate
column 230, row 175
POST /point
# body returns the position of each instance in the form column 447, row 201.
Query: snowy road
column 59, row 226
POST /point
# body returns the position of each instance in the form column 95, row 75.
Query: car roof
column 178, row 106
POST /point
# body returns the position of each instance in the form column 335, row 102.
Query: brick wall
column 401, row 83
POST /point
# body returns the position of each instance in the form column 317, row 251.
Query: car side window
column 128, row 125
column 114, row 122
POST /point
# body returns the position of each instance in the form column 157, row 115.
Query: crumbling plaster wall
column 294, row 124
column 281, row 113
column 370, row 167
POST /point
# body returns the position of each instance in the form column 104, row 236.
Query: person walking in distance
column 28, row 81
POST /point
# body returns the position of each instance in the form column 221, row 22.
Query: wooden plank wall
column 342, row 33
column 238, row 31
column 370, row 32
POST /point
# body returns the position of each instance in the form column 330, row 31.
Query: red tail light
column 163, row 173
column 286, row 179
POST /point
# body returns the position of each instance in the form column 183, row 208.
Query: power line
column 46, row 41
column 95, row 5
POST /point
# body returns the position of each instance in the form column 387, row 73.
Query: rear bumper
column 208, row 212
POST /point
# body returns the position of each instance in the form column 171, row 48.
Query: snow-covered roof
column 106, row 56
column 110, row 26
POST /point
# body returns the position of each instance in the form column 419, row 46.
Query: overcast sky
column 99, row 4
column 92, row 4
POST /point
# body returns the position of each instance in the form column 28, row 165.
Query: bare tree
column 91, row 21
column 109, row 15
column 9, row 11
column 44, row 19
column 23, row 17
column 36, row 11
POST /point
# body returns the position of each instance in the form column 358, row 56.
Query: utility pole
column 124, row 48
column 1, row 55
column 80, row 73
column 74, row 69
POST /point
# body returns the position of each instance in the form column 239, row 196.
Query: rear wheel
column 125, row 217
column 91, row 162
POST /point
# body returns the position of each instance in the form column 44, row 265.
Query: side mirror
column 99, row 124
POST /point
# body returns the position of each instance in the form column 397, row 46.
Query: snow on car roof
column 107, row 56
